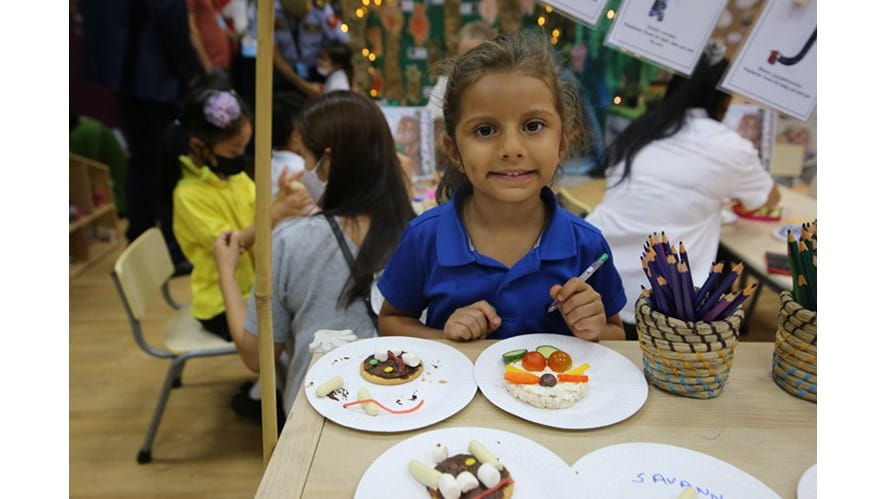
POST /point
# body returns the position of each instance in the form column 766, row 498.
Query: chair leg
column 175, row 369
column 177, row 378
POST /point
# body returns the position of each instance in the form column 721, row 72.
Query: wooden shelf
column 97, row 232
column 88, row 219
column 97, row 250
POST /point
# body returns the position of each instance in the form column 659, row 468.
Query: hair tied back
column 221, row 109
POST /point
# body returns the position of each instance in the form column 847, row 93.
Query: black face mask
column 230, row 166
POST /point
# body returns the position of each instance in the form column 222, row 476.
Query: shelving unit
column 94, row 231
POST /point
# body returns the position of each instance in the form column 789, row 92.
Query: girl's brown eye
column 484, row 131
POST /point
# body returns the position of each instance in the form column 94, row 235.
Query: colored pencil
column 686, row 290
column 711, row 282
column 686, row 261
column 723, row 286
column 717, row 308
column 748, row 291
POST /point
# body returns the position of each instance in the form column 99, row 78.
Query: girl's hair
column 208, row 114
column 669, row 116
column 340, row 54
column 365, row 177
column 285, row 112
column 524, row 53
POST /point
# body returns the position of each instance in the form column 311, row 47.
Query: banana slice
column 483, row 455
column 426, row 475
column 369, row 408
column 330, row 385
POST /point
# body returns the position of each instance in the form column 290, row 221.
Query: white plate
column 656, row 471
column 616, row 387
column 446, row 385
column 537, row 471
column 807, row 484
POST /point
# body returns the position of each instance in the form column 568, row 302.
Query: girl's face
column 319, row 165
column 508, row 139
column 235, row 145
column 325, row 65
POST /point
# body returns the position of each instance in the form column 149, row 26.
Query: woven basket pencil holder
column 691, row 359
column 794, row 350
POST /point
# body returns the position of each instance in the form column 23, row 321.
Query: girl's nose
column 512, row 146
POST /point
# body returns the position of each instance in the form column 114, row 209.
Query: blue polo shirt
column 435, row 267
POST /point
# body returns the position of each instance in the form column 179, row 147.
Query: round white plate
column 807, row 484
column 654, row 471
column 616, row 387
column 537, row 472
column 446, row 385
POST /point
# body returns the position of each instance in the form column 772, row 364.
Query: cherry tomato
column 560, row 361
column 533, row 361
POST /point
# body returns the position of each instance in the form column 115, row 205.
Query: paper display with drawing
column 413, row 137
column 670, row 33
column 777, row 63
column 586, row 11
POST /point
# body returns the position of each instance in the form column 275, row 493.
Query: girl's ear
column 195, row 144
column 450, row 147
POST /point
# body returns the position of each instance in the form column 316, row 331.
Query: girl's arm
column 394, row 322
column 292, row 200
column 473, row 322
column 285, row 70
column 227, row 251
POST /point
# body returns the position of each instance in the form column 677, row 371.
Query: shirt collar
column 454, row 247
column 284, row 155
column 697, row 112
column 200, row 172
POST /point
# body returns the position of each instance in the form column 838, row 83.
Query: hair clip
column 715, row 50
column 221, row 109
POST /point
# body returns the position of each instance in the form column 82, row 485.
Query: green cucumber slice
column 547, row 350
column 514, row 355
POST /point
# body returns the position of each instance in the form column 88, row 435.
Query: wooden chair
column 143, row 269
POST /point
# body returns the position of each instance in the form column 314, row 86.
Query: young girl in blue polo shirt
column 488, row 263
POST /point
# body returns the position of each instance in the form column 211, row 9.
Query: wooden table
column 753, row 425
column 748, row 240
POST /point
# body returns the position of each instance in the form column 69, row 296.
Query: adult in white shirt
column 671, row 170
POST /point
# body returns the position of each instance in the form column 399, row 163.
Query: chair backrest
column 142, row 268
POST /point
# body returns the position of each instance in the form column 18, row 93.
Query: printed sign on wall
column 670, row 33
column 586, row 11
column 777, row 63
column 413, row 135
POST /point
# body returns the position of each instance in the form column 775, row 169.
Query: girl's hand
column 292, row 198
column 473, row 322
column 227, row 250
column 582, row 308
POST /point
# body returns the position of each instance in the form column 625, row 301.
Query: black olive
column 547, row 379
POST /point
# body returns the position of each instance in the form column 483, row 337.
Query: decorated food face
column 544, row 378
column 478, row 474
column 391, row 367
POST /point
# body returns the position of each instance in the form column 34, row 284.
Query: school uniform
column 435, row 266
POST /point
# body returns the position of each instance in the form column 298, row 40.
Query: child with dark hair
column 488, row 262
column 334, row 64
column 671, row 170
column 345, row 140
column 285, row 159
column 213, row 194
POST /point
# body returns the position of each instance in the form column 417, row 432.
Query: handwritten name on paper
column 665, row 480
